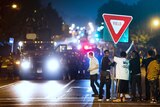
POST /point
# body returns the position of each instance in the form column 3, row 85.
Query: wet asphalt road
column 55, row 93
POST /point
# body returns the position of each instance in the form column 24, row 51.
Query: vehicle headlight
column 25, row 64
column 52, row 64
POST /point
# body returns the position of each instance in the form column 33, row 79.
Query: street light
column 14, row 6
column 155, row 22
column 20, row 46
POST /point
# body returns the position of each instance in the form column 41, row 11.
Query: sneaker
column 100, row 100
column 124, row 99
column 107, row 100
column 117, row 100
column 153, row 101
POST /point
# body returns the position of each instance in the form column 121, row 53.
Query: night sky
column 79, row 12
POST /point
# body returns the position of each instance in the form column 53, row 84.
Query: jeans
column 147, row 89
column 136, row 82
column 93, row 81
column 153, row 88
column 104, row 81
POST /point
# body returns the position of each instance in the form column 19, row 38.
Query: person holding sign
column 122, row 74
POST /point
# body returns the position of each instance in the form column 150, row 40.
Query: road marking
column 38, row 99
column 8, row 85
column 62, row 88
column 64, row 97
column 70, row 89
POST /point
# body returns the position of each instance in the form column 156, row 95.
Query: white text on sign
column 117, row 25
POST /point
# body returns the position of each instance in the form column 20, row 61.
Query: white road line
column 8, row 85
column 11, row 84
column 62, row 87
column 68, row 84
column 86, row 97
column 70, row 89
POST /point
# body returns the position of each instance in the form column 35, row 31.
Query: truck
column 38, row 60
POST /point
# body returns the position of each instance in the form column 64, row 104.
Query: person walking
column 93, row 69
column 105, row 78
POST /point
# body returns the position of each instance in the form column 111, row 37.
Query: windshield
column 37, row 48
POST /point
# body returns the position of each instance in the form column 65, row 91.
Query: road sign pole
column 11, row 41
column 113, row 78
column 12, row 48
column 113, row 87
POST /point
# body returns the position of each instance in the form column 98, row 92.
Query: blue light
column 96, row 35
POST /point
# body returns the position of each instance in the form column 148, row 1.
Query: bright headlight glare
column 52, row 65
column 25, row 64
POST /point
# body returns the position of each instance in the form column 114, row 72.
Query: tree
column 7, row 16
column 142, row 12
column 50, row 22
column 31, row 17
column 113, row 7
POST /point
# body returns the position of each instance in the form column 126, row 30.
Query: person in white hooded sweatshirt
column 94, row 71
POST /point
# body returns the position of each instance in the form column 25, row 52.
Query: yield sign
column 117, row 24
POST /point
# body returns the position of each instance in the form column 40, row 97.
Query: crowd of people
column 8, row 68
column 127, row 76
column 127, row 73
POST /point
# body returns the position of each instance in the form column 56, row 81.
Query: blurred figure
column 145, row 63
column 135, row 72
column 65, row 70
column 153, row 72
column 10, row 68
column 7, row 68
column 93, row 69
column 0, row 67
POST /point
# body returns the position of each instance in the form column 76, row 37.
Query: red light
column 86, row 47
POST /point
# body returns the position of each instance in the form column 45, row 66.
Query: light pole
column 20, row 46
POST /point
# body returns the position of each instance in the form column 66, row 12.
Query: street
column 74, row 93
column 52, row 51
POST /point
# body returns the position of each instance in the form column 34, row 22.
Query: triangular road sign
column 117, row 24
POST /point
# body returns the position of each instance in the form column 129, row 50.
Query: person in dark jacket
column 105, row 76
column 135, row 71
